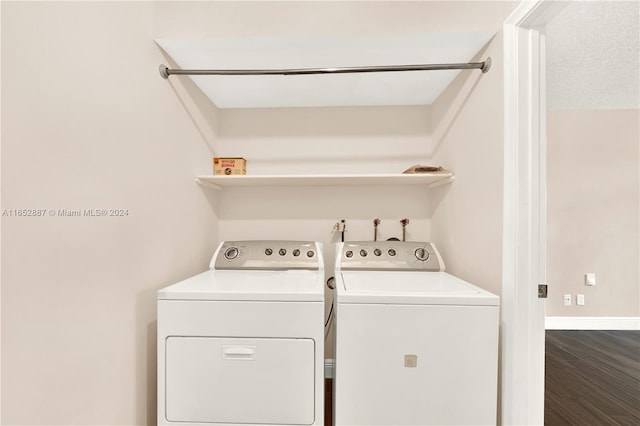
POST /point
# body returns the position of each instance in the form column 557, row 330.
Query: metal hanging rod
column 483, row 66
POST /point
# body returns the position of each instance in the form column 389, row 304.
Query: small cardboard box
column 229, row 166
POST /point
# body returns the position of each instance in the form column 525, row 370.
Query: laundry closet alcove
column 278, row 72
column 325, row 147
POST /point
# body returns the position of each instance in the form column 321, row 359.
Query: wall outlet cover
column 590, row 279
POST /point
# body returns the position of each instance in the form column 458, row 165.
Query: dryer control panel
column 267, row 255
column 389, row 255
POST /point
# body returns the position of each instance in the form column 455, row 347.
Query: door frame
column 524, row 227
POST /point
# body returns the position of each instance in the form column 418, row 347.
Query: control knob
column 231, row 253
column 282, row 251
column 421, row 254
column 377, row 252
column 268, row 251
column 363, row 253
column 349, row 254
column 296, row 252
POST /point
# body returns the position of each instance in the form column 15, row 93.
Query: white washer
column 243, row 343
column 414, row 345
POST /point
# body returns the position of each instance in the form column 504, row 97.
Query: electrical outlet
column 567, row 300
column 590, row 279
column 580, row 299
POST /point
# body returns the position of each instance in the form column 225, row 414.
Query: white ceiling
column 387, row 88
column 593, row 56
column 233, row 19
column 262, row 34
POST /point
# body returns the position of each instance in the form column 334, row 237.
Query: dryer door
column 238, row 380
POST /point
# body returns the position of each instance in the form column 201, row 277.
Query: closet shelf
column 427, row 179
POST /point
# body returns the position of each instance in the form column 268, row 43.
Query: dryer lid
column 284, row 286
column 410, row 287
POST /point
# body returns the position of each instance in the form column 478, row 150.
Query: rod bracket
column 486, row 65
column 164, row 71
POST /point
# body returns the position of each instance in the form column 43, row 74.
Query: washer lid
column 284, row 286
column 410, row 288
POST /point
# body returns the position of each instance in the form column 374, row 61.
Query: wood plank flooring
column 592, row 378
column 328, row 402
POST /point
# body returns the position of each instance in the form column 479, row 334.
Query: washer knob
column 421, row 254
column 310, row 254
column 282, row 252
column 231, row 253
column 349, row 254
column 268, row 251
column 296, row 252
column 392, row 252
column 363, row 253
column 377, row 252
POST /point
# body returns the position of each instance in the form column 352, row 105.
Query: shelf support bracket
column 441, row 182
column 209, row 184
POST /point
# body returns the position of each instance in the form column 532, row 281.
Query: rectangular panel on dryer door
column 240, row 380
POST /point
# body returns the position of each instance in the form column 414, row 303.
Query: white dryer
column 414, row 345
column 243, row 343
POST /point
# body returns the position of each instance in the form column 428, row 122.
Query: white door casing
column 524, row 227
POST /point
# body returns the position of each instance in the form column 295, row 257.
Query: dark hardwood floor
column 592, row 378
column 328, row 402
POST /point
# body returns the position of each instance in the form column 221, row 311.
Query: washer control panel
column 390, row 255
column 267, row 255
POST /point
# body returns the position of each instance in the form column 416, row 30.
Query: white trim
column 592, row 323
column 522, row 314
column 524, row 226
column 0, row 222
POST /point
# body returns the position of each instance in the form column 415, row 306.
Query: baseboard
column 592, row 323
column 329, row 368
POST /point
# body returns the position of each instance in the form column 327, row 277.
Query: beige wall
column 352, row 140
column 320, row 141
column 88, row 124
column 593, row 168
column 467, row 138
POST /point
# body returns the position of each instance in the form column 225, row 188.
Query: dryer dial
column 231, row 253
